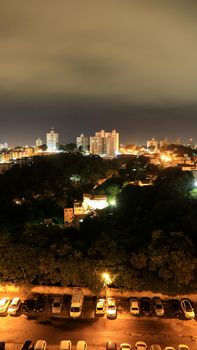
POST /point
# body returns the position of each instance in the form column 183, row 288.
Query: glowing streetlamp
column 107, row 280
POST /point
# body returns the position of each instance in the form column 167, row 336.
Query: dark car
column 111, row 346
column 28, row 305
column 28, row 345
column 146, row 306
column 40, row 303
column 175, row 308
column 2, row 345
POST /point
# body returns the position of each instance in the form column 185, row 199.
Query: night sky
column 81, row 66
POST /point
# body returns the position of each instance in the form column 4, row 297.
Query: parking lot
column 44, row 309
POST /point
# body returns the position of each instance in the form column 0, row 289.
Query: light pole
column 107, row 280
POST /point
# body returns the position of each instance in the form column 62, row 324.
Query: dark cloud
column 131, row 52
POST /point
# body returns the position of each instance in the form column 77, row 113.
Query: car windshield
column 74, row 309
column 159, row 306
column 111, row 307
column 188, row 307
column 99, row 308
column 56, row 304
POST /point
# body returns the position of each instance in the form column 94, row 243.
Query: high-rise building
column 152, row 143
column 83, row 143
column 52, row 139
column 39, row 142
column 105, row 143
column 164, row 142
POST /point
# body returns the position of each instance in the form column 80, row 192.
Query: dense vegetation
column 148, row 241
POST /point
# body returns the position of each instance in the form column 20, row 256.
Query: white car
column 183, row 347
column 140, row 345
column 100, row 306
column 4, row 303
column 57, row 306
column 134, row 307
column 81, row 345
column 158, row 306
column 40, row 345
column 169, row 348
column 65, row 345
column 111, row 311
column 14, row 306
column 187, row 309
column 125, row 346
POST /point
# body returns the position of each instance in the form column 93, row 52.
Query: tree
column 173, row 182
column 171, row 256
column 43, row 147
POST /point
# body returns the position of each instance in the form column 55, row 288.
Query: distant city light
column 165, row 158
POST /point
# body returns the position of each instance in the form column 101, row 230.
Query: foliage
column 148, row 241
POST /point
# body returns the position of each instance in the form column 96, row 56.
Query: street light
column 107, row 280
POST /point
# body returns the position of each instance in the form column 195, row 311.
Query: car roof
column 39, row 343
column 64, row 344
column 155, row 347
column 15, row 300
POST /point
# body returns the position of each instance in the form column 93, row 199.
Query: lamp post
column 107, row 280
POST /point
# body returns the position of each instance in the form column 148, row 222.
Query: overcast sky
column 84, row 65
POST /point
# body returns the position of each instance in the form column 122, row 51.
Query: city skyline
column 141, row 127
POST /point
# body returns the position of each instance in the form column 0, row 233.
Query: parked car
column 155, row 347
column 4, row 303
column 40, row 345
column 65, row 345
column 169, row 348
column 14, row 306
column 28, row 345
column 146, row 306
column 28, row 305
column 125, row 346
column 57, row 305
column 158, row 307
column 100, row 306
column 2, row 345
column 187, row 309
column 183, row 347
column 111, row 311
column 40, row 303
column 81, row 345
column 111, row 346
column 140, row 345
column 134, row 306
column 175, row 308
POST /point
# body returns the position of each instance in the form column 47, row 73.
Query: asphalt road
column 15, row 330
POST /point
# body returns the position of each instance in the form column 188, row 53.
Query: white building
column 152, row 144
column 83, row 143
column 39, row 142
column 105, row 143
column 52, row 139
